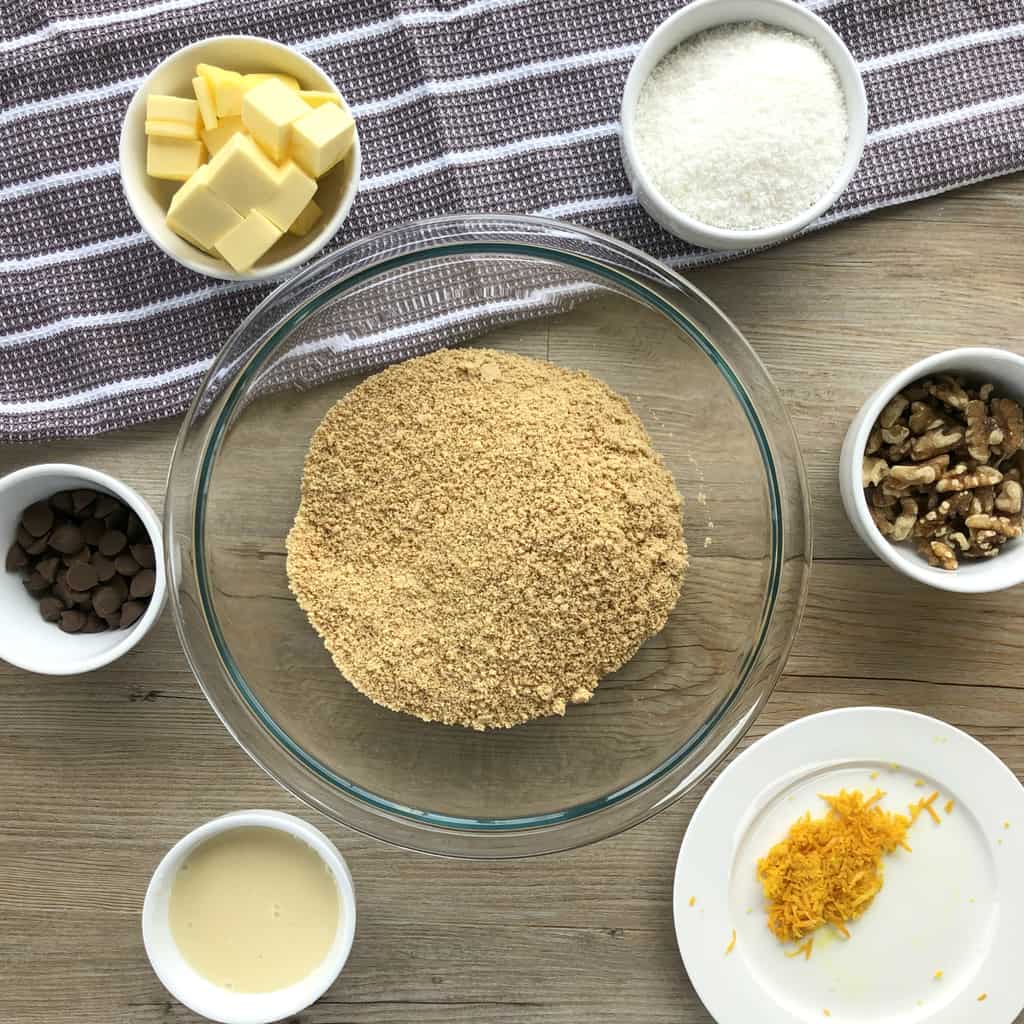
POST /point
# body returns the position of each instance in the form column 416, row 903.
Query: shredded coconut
column 743, row 127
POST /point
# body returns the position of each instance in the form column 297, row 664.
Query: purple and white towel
column 467, row 105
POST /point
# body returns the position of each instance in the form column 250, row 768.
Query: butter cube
column 295, row 189
column 268, row 112
column 244, row 245
column 321, row 138
column 173, row 159
column 316, row 98
column 242, row 174
column 207, row 104
column 215, row 138
column 305, row 220
column 251, row 81
column 226, row 87
column 200, row 216
column 172, row 117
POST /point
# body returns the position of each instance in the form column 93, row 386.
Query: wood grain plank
column 100, row 774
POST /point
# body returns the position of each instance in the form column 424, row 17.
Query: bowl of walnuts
column 932, row 467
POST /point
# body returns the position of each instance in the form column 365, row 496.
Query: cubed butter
column 295, row 189
column 227, row 89
column 321, row 138
column 316, row 98
column 199, row 215
column 242, row 174
column 268, row 112
column 207, row 104
column 305, row 220
column 251, row 81
column 216, row 138
column 172, row 117
column 242, row 246
column 173, row 159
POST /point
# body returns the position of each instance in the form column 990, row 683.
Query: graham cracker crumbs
column 483, row 536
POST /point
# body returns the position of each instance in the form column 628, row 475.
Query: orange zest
column 828, row 870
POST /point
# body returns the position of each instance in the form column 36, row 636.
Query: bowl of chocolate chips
column 84, row 574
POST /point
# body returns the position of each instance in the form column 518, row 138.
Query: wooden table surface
column 100, row 775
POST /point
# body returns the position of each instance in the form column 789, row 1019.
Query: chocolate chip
column 105, row 504
column 50, row 608
column 113, row 621
column 112, row 542
column 16, row 558
column 36, row 584
column 47, row 568
column 82, row 576
column 143, row 583
column 38, row 545
column 94, row 624
column 73, row 621
column 131, row 612
column 82, row 499
column 85, row 555
column 121, row 585
column 23, row 537
column 92, row 530
column 82, row 598
column 60, row 591
column 144, row 555
column 135, row 529
column 106, row 600
column 63, row 502
column 67, row 539
column 126, row 565
column 37, row 518
column 118, row 519
column 105, row 567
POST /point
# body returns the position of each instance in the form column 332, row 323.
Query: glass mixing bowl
column 539, row 288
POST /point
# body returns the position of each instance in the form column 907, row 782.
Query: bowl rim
column 982, row 577
column 241, row 1007
column 102, row 481
column 674, row 31
column 409, row 826
column 269, row 271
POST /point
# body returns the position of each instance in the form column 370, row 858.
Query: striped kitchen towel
column 463, row 105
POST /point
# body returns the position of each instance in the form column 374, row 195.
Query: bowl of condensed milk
column 250, row 918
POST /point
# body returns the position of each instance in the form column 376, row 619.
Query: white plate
column 955, row 904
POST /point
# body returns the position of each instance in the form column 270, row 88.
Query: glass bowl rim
column 421, row 252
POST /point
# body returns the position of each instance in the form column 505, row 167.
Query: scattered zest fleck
column 805, row 949
column 949, row 807
column 827, row 1013
column 732, row 943
column 982, row 997
column 873, row 775
column 925, row 805
column 693, row 901
column 919, row 783
column 938, row 975
column 1006, row 824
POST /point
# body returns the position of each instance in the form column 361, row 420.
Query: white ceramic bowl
column 26, row 640
column 975, row 576
column 149, row 197
column 698, row 17
column 212, row 1001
